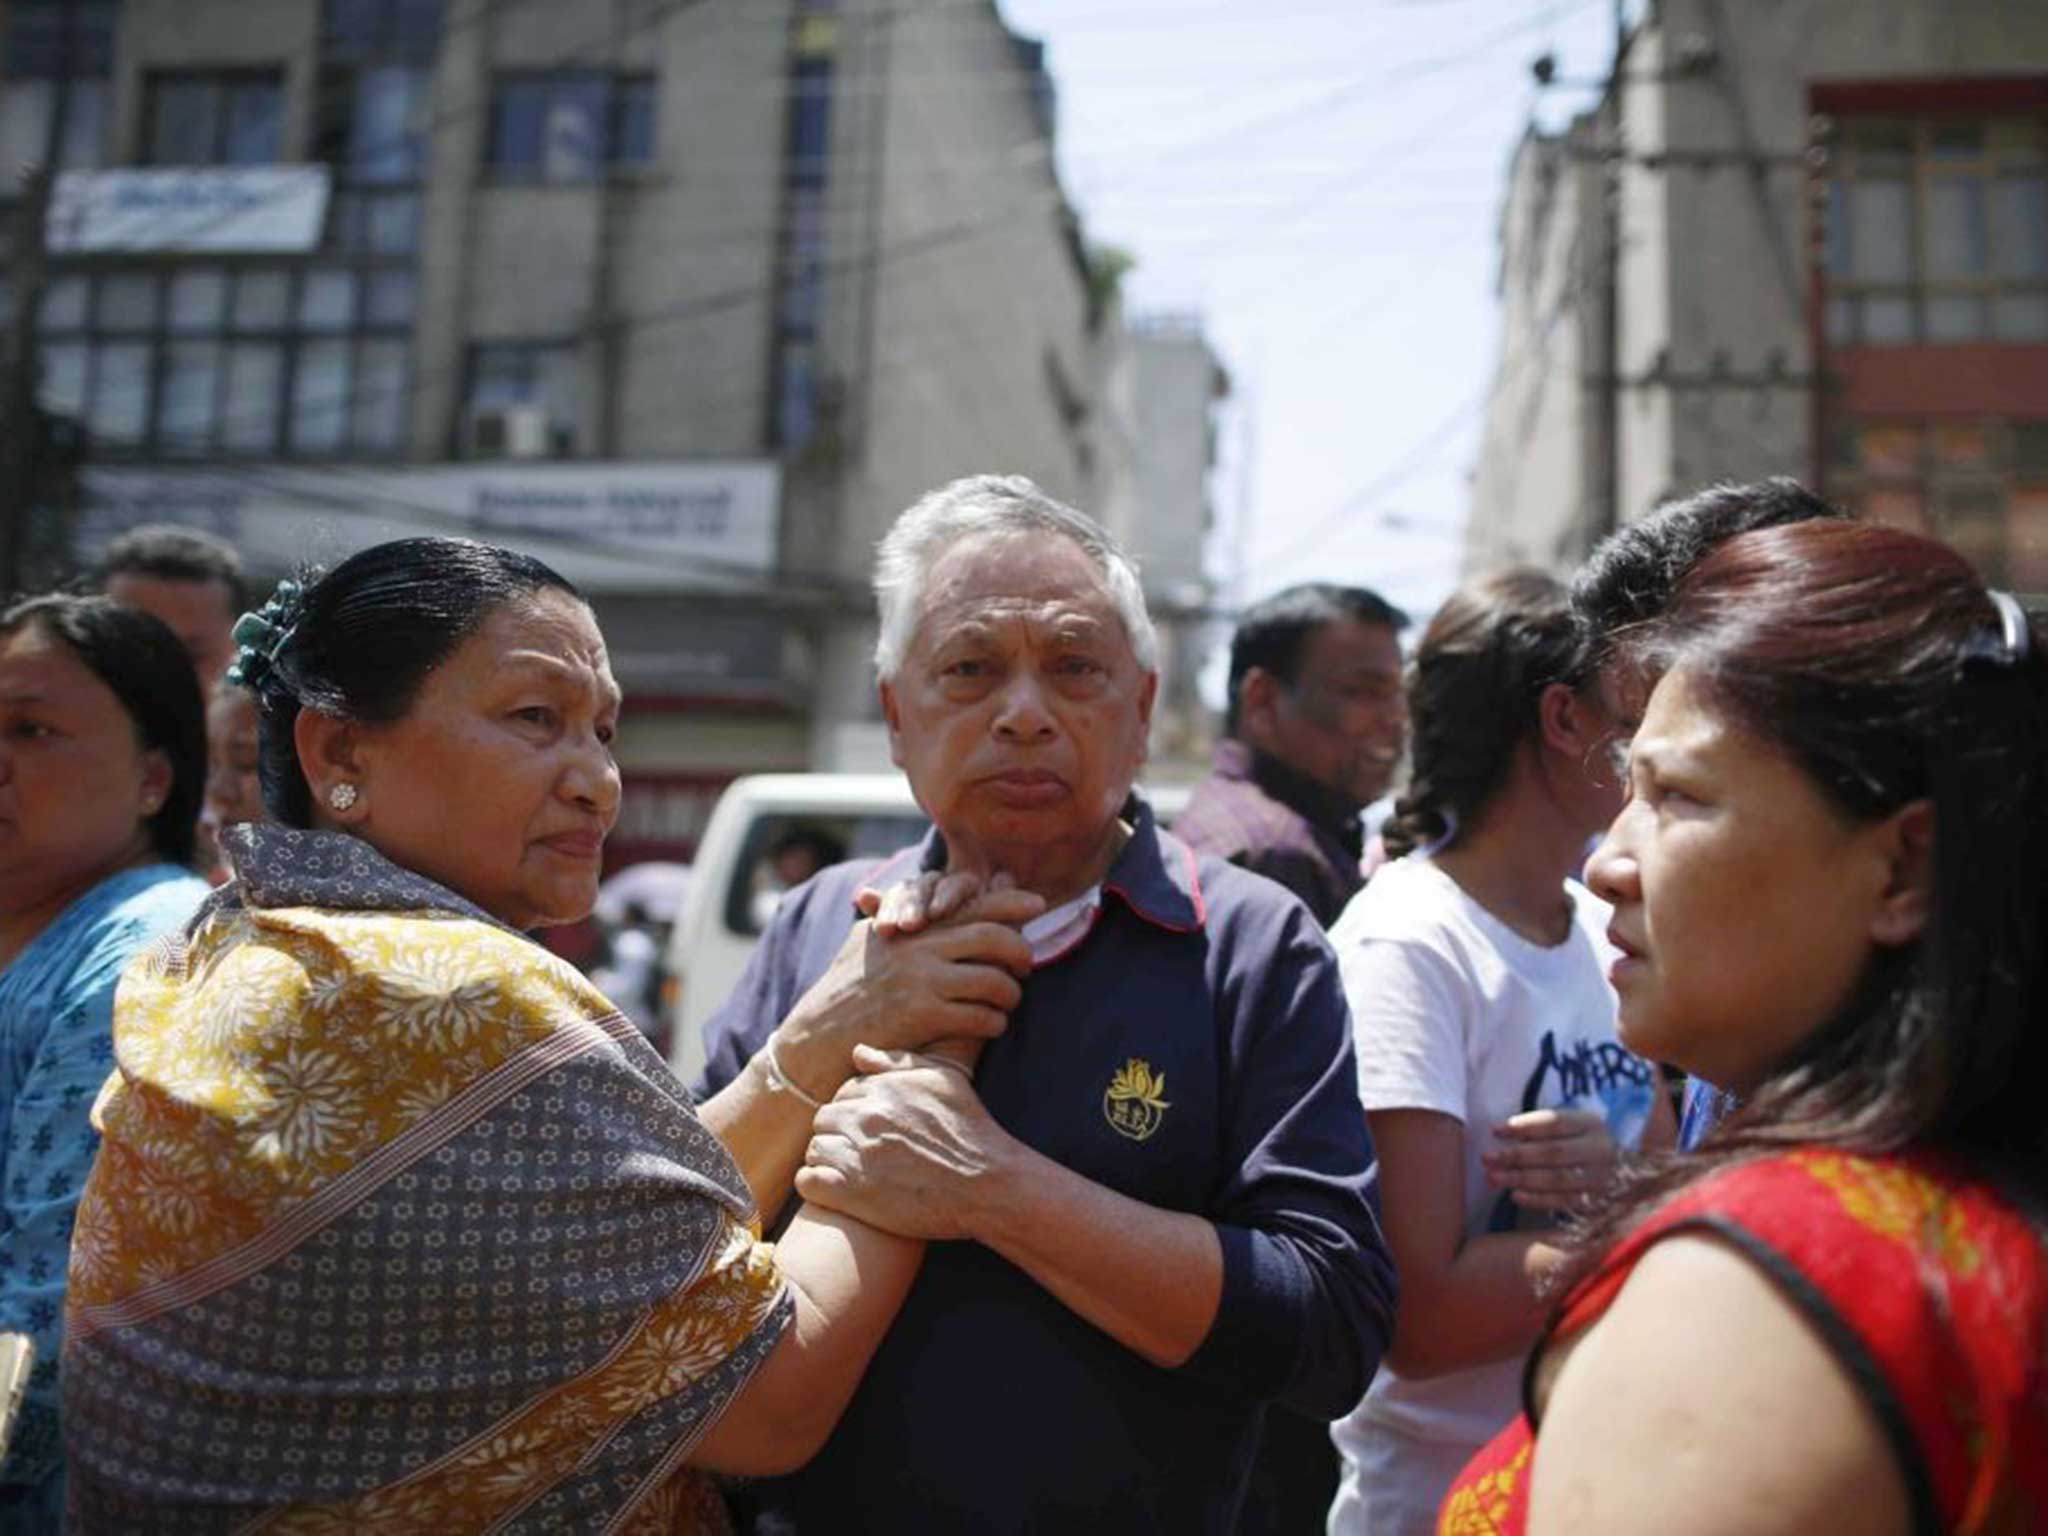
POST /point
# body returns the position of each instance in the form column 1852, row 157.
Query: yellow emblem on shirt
column 1135, row 1102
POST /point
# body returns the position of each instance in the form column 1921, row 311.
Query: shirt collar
column 1155, row 875
column 1314, row 801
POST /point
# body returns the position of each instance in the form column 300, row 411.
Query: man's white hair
column 984, row 506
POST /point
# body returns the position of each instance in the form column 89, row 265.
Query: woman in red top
column 1829, row 885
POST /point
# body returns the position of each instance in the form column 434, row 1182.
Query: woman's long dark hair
column 1876, row 660
column 145, row 666
column 1474, row 691
column 358, row 641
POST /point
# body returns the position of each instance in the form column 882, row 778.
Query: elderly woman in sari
column 102, row 755
column 399, row 1223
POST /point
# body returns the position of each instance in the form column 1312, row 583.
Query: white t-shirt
column 1456, row 1012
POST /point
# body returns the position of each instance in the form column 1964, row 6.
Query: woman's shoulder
column 1409, row 899
column 1927, row 1283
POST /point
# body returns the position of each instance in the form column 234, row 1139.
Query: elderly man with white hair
column 1143, row 1174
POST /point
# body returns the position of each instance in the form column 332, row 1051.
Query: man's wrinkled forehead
column 1044, row 582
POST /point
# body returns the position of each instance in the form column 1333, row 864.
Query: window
column 59, row 57
column 381, row 29
column 1982, row 485
column 212, row 360
column 1938, row 231
column 544, row 374
column 231, row 118
column 793, row 407
column 570, row 126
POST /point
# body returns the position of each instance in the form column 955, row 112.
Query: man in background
column 1314, row 730
column 190, row 580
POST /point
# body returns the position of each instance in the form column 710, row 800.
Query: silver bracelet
column 780, row 1081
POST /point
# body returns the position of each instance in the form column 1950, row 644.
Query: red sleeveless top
column 1931, row 1290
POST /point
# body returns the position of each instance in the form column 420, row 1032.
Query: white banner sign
column 260, row 208
column 606, row 526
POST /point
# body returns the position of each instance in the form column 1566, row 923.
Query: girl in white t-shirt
column 1476, row 969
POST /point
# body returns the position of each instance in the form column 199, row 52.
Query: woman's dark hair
column 144, row 664
column 1877, row 662
column 1473, row 695
column 358, row 641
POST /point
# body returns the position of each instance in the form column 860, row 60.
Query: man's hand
column 959, row 979
column 1551, row 1159
column 932, row 898
column 904, row 1147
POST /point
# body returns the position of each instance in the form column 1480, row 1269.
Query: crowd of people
column 1294, row 1168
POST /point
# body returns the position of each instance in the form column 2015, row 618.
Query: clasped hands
column 929, row 978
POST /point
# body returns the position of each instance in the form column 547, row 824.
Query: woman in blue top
column 102, row 765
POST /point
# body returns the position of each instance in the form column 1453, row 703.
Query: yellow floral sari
column 397, row 1224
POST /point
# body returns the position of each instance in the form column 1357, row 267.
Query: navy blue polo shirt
column 1192, row 1052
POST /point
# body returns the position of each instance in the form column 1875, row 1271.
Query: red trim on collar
column 1194, row 892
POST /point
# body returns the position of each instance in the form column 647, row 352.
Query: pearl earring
column 342, row 796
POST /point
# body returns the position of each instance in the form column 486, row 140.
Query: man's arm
column 956, row 981
column 1287, row 1292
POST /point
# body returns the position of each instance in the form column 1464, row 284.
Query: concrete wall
column 1716, row 371
column 1175, row 386
column 1534, row 479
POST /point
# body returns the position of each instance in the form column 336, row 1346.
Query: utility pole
column 1608, row 396
column 21, row 455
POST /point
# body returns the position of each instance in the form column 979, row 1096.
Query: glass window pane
column 1956, row 317
column 190, row 403
column 1962, row 445
column 327, row 301
column 810, row 116
column 1957, row 240
column 2020, row 317
column 119, row 408
column 92, row 37
column 64, row 304
column 1887, row 322
column 199, row 300
column 418, row 30
column 384, row 142
column 85, row 125
column 1897, row 507
column 26, row 107
column 1842, row 322
column 1956, row 139
column 1880, row 225
column 558, row 385
column 255, row 394
column 127, row 303
column 499, row 376
column 391, row 300
column 183, row 114
column 262, row 301
column 572, row 144
column 380, row 398
column 35, row 39
column 518, row 108
column 633, row 123
column 320, row 397
column 352, row 27
column 255, row 126
column 394, row 225
column 2020, row 221
column 1891, row 452
column 62, row 386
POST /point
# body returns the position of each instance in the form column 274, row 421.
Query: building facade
column 1800, row 238
column 689, row 297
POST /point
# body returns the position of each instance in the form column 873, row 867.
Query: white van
column 801, row 821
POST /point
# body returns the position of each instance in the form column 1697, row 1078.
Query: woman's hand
column 1551, row 1159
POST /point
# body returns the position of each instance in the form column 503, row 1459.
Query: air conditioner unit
column 511, row 432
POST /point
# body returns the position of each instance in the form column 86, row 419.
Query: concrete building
column 1162, row 389
column 1828, row 227
column 689, row 297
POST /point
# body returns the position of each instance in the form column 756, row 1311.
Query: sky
column 1320, row 181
